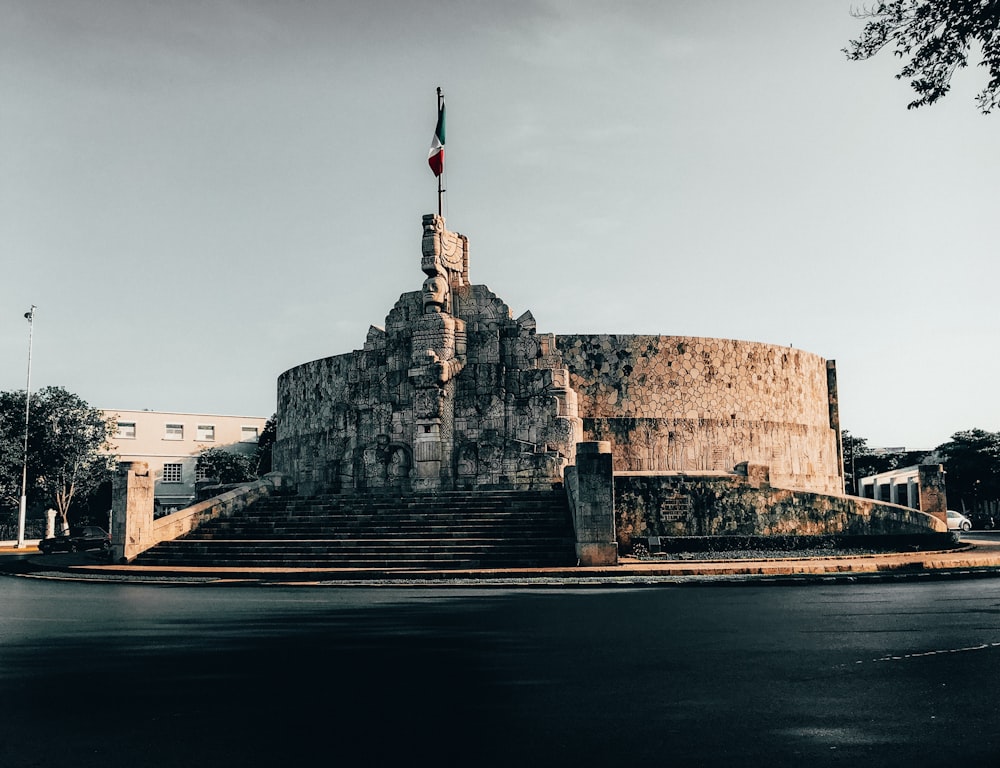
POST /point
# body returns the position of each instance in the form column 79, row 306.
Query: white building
column 897, row 486
column 170, row 443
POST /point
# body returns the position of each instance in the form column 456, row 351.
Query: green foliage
column 886, row 461
column 226, row 467
column 936, row 37
column 860, row 460
column 11, row 447
column 265, row 444
column 972, row 462
column 68, row 445
column 856, row 450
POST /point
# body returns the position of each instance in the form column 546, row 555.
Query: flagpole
column 23, row 505
column 440, row 178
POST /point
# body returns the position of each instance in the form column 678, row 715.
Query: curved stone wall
column 667, row 404
column 702, row 505
column 689, row 404
column 455, row 393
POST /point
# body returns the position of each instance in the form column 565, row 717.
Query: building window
column 126, row 430
column 206, row 432
column 200, row 474
column 174, row 432
column 248, row 435
column 172, row 473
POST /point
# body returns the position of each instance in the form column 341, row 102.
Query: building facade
column 898, row 486
column 170, row 443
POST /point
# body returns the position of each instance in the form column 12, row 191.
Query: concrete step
column 295, row 534
column 420, row 531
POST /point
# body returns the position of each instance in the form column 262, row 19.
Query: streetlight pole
column 22, row 510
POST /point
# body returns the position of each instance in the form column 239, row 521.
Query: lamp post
column 22, row 510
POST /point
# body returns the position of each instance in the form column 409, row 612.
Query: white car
column 958, row 522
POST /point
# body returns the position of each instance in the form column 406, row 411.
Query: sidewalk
column 981, row 558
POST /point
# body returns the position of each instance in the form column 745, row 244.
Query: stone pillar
column 438, row 355
column 834, row 403
column 50, row 523
column 594, row 515
column 933, row 500
column 131, row 510
column 427, row 455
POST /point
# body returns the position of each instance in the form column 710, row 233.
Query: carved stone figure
column 435, row 293
column 452, row 391
column 467, row 462
column 444, row 253
column 399, row 465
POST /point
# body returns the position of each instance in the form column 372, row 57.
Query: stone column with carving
column 933, row 499
column 438, row 353
column 594, row 513
column 131, row 510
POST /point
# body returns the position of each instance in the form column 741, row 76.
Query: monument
column 705, row 436
column 650, row 436
column 452, row 393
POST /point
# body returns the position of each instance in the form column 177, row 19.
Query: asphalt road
column 896, row 674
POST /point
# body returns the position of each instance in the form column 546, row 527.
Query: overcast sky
column 201, row 194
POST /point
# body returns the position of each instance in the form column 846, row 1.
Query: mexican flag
column 435, row 158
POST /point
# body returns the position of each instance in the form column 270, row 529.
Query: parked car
column 83, row 539
column 983, row 521
column 958, row 522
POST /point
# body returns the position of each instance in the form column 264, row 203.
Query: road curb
column 971, row 560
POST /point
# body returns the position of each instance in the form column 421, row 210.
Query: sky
column 201, row 194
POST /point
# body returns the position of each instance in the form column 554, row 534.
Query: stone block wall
column 455, row 393
column 497, row 411
column 687, row 404
column 732, row 505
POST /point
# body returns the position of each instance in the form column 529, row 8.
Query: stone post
column 594, row 513
column 933, row 500
column 131, row 510
column 834, row 403
column 50, row 523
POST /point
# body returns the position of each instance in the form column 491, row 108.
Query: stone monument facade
column 688, row 404
column 454, row 393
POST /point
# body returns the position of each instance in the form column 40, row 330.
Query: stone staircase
column 422, row 531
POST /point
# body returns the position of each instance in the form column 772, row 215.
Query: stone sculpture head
column 435, row 293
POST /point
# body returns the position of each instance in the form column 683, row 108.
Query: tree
column 265, row 446
column 936, row 37
column 11, row 447
column 972, row 461
column 860, row 460
column 856, row 451
column 68, row 447
column 226, row 466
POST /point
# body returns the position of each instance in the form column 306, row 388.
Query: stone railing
column 690, row 504
column 611, row 510
column 135, row 530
